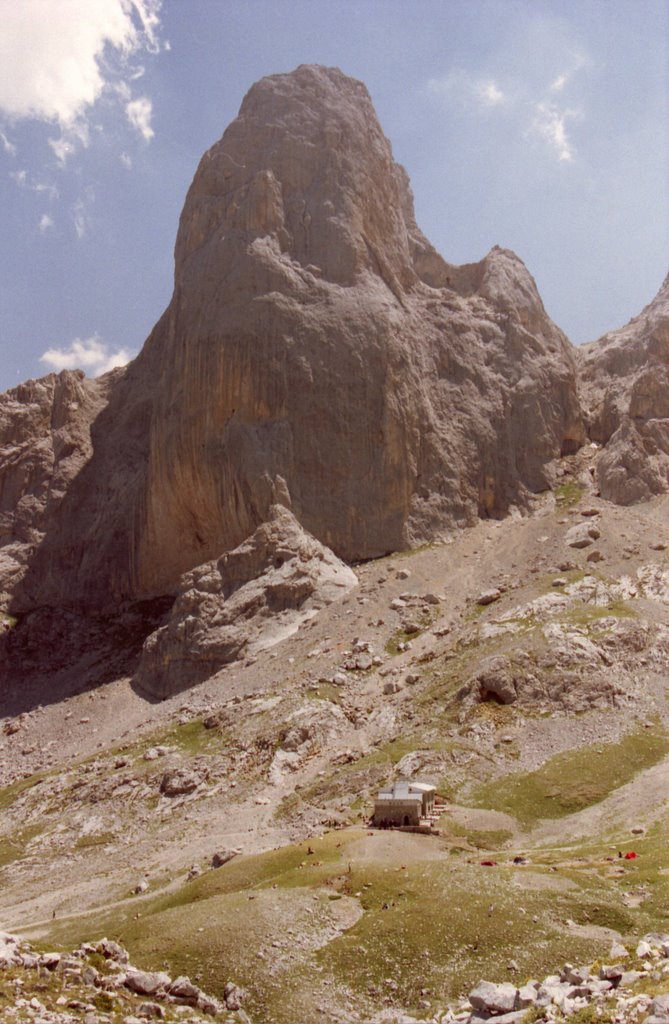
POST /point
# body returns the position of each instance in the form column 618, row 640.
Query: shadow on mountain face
column 76, row 652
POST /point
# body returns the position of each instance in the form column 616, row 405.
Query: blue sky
column 540, row 126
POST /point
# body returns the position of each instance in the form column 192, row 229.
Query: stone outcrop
column 44, row 442
column 244, row 602
column 100, row 971
column 314, row 335
column 625, row 384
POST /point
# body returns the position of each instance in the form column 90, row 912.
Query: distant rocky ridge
column 625, row 385
column 44, row 442
column 316, row 343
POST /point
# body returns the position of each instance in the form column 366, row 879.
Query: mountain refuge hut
column 404, row 804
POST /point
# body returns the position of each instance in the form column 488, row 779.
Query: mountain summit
column 318, row 351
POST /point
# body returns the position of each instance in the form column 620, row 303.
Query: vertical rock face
column 316, row 345
column 44, row 442
column 625, row 387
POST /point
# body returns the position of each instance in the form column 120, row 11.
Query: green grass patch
column 9, row 794
column 95, row 839
column 426, row 924
column 325, row 691
column 192, row 737
column 568, row 494
column 489, row 839
column 588, row 614
column 573, row 780
column 438, row 924
column 392, row 645
column 13, row 847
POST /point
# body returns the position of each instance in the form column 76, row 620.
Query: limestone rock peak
column 314, row 335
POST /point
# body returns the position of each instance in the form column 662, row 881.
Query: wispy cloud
column 45, row 223
column 550, row 123
column 530, row 108
column 80, row 218
column 90, row 354
column 490, row 93
column 46, row 188
column 139, row 113
column 461, row 88
column 8, row 146
column 43, row 188
column 72, row 138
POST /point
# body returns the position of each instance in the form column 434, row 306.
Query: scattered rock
column 178, row 781
column 151, row 1011
column 494, row 999
column 582, row 535
column 234, row 996
column 222, row 857
column 146, row 983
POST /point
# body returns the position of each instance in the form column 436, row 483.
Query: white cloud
column 139, row 113
column 61, row 61
column 90, row 354
column 530, row 108
column 53, row 62
column 126, row 160
column 8, row 146
column 490, row 93
column 73, row 137
column 550, row 123
column 46, row 188
column 45, row 223
column 80, row 218
column 43, row 188
column 465, row 90
column 573, row 61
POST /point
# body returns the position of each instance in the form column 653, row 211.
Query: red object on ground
column 489, row 863
column 631, row 855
